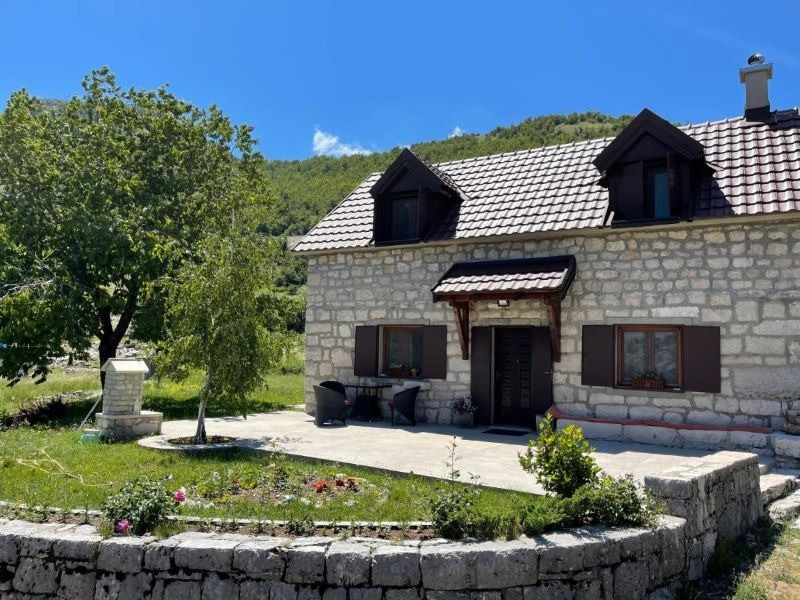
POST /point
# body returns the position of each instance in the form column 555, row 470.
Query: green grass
column 92, row 471
column 177, row 400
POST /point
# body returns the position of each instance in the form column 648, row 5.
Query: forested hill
column 308, row 189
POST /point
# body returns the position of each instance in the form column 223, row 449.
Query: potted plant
column 649, row 380
column 463, row 410
column 414, row 371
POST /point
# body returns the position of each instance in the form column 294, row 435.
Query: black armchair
column 331, row 406
column 405, row 404
column 333, row 385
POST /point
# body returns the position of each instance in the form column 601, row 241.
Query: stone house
column 655, row 275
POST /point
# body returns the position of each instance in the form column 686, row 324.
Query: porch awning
column 506, row 279
column 547, row 279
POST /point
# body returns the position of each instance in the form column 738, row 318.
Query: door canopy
column 546, row 279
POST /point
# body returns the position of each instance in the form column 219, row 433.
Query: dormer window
column 404, row 217
column 650, row 170
column 411, row 198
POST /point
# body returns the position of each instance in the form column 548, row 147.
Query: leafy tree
column 217, row 320
column 102, row 199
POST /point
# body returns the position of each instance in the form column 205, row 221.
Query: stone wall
column 714, row 496
column 743, row 277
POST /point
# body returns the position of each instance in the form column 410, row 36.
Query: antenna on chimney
column 755, row 77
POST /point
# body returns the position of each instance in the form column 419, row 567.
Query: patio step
column 777, row 485
column 765, row 464
column 785, row 508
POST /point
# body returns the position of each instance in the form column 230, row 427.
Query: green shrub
column 560, row 460
column 144, row 503
column 453, row 512
column 612, row 501
column 541, row 516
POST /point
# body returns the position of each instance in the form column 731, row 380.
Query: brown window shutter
column 434, row 352
column 597, row 355
column 701, row 359
column 481, row 376
column 366, row 359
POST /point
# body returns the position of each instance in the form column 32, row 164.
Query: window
column 649, row 352
column 657, row 201
column 403, row 219
column 402, row 351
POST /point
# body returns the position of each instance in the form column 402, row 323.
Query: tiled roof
column 556, row 188
column 538, row 275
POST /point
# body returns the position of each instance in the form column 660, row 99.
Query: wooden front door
column 522, row 375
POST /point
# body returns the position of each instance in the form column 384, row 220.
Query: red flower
column 321, row 485
column 340, row 483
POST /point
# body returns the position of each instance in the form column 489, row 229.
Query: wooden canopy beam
column 461, row 313
column 553, row 304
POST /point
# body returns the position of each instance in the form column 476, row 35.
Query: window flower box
column 647, row 381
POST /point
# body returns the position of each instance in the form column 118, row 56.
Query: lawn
column 177, row 400
column 228, row 484
column 777, row 573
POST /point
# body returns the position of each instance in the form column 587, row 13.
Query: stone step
column 785, row 508
column 777, row 485
column 765, row 464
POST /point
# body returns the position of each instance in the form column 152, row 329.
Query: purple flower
column 179, row 496
column 122, row 526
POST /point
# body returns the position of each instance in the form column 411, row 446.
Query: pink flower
column 122, row 526
column 179, row 496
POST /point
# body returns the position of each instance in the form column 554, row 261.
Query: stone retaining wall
column 714, row 498
column 743, row 278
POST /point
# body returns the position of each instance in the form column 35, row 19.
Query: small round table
column 366, row 404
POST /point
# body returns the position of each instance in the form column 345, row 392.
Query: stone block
column 112, row 586
column 77, row 585
column 708, row 439
column 259, row 556
column 559, row 553
column 9, row 549
column 373, row 593
column 347, row 564
column 182, row 590
column 332, row 593
column 206, row 554
column 396, row 566
column 595, row 431
column 310, row 592
column 786, row 445
column 216, row 587
column 123, row 554
column 630, row 580
column 409, row 593
column 158, row 555
column 487, row 565
column 35, row 576
column 253, row 590
column 305, row 564
column 549, row 590
column 644, row 434
column 77, row 547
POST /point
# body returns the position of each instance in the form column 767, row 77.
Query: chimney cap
column 755, row 59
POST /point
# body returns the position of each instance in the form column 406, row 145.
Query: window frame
column 648, row 194
column 648, row 330
column 383, row 365
column 389, row 200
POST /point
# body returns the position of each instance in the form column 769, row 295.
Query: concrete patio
column 421, row 450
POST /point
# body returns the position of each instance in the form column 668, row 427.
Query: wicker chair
column 331, row 406
column 333, row 385
column 405, row 404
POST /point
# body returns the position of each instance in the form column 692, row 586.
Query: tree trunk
column 107, row 349
column 110, row 336
column 200, row 434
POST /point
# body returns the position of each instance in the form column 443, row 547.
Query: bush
column 613, row 502
column 143, row 504
column 560, row 460
column 453, row 512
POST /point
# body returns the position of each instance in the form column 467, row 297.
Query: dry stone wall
column 743, row 277
column 714, row 498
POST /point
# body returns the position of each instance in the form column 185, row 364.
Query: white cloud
column 329, row 145
column 457, row 131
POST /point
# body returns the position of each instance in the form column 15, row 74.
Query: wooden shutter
column 481, row 373
column 366, row 359
column 434, row 352
column 597, row 355
column 701, row 359
column 542, row 369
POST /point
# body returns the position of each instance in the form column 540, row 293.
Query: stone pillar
column 122, row 417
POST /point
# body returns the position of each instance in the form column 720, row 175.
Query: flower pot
column 647, row 383
column 398, row 372
column 464, row 419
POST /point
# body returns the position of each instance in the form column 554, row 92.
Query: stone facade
column 742, row 276
column 122, row 417
column 718, row 498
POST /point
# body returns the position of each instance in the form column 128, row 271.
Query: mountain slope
column 308, row 189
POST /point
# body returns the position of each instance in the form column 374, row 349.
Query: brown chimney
column 755, row 77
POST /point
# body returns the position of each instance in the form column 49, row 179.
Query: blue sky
column 341, row 76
